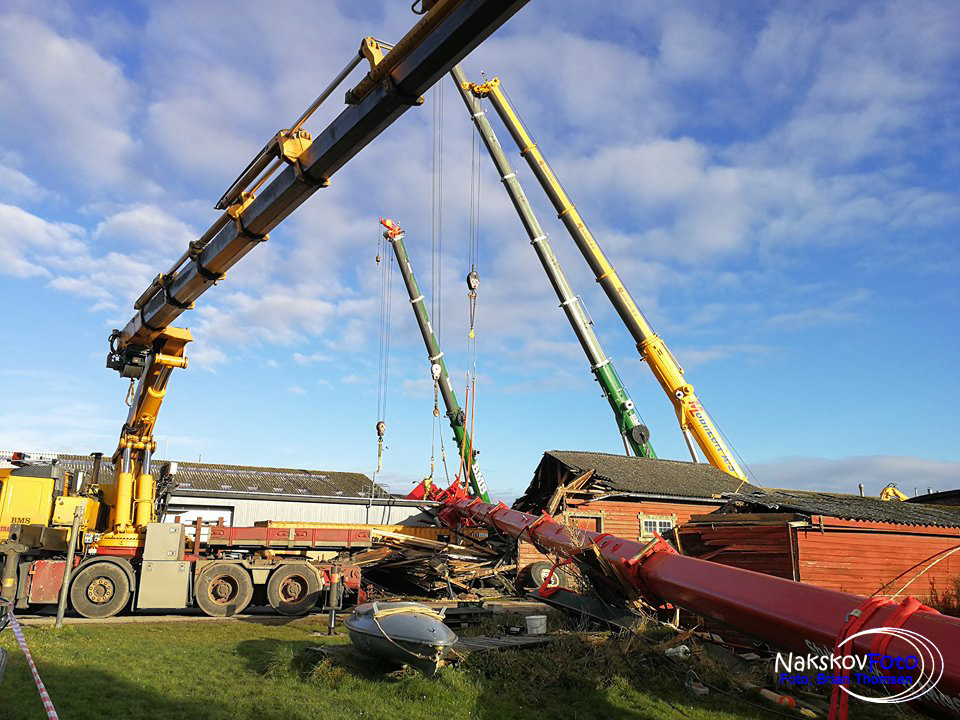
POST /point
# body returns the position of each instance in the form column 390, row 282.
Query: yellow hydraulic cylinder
column 145, row 496
column 123, row 504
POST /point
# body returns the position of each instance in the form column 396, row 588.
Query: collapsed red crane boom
column 788, row 615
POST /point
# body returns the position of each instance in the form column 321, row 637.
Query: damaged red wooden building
column 844, row 542
column 626, row 496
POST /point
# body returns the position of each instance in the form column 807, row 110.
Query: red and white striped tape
column 21, row 641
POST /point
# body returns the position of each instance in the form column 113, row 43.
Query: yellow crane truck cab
column 39, row 495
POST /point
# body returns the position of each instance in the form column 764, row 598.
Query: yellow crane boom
column 695, row 422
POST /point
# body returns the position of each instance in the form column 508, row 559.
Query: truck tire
column 223, row 589
column 535, row 573
column 100, row 590
column 293, row 589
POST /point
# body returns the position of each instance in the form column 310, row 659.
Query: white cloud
column 14, row 186
column 205, row 356
column 145, row 229
column 26, row 239
column 693, row 48
column 872, row 79
column 81, row 103
column 311, row 359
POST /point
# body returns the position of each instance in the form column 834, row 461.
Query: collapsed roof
column 627, row 476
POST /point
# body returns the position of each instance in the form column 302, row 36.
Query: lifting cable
column 473, row 283
column 436, row 265
column 436, row 275
column 383, row 369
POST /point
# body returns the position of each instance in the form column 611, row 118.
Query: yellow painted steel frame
column 131, row 496
column 693, row 418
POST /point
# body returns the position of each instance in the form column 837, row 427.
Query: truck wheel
column 535, row 573
column 293, row 589
column 100, row 590
column 223, row 590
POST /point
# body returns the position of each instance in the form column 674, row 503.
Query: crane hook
column 473, row 282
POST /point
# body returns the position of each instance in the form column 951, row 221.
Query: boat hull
column 403, row 633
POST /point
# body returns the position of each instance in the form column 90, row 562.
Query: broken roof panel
column 848, row 507
column 627, row 475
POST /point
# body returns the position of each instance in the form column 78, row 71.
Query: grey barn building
column 242, row 495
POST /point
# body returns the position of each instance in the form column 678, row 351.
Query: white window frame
column 661, row 520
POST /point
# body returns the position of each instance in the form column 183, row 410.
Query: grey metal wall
column 243, row 512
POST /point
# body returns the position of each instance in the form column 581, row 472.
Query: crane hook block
column 435, row 371
column 381, row 428
column 473, row 281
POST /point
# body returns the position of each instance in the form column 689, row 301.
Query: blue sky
column 777, row 184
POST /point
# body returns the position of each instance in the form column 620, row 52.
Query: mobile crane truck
column 42, row 516
column 123, row 557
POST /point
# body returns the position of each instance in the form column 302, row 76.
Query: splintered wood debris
column 399, row 561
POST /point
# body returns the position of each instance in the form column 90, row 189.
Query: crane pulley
column 473, row 282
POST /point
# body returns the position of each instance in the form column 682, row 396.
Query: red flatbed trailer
column 221, row 574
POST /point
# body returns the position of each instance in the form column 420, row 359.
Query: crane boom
column 396, row 82
column 634, row 433
column 783, row 613
column 694, row 420
column 438, row 367
column 287, row 171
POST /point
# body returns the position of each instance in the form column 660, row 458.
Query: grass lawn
column 236, row 670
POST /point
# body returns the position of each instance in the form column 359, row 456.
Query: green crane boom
column 634, row 433
column 438, row 368
column 695, row 422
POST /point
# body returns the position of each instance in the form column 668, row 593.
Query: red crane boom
column 789, row 615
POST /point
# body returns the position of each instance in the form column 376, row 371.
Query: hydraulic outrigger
column 394, row 234
column 635, row 435
column 694, row 420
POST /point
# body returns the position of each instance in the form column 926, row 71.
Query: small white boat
column 402, row 632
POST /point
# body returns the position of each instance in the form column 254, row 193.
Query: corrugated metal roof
column 273, row 481
column 848, row 507
column 642, row 475
column 625, row 474
column 944, row 497
column 214, row 477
